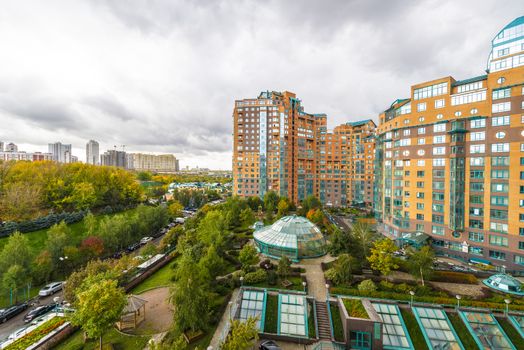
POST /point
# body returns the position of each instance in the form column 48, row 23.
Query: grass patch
column 336, row 320
column 355, row 308
column 160, row 278
column 118, row 340
column 460, row 328
column 296, row 280
column 311, row 320
column 413, row 329
column 270, row 323
column 511, row 332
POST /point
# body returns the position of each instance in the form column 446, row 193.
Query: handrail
column 328, row 306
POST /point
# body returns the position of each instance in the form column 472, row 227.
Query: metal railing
column 325, row 345
column 232, row 312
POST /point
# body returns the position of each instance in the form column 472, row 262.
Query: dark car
column 269, row 345
column 12, row 311
column 39, row 311
column 133, row 247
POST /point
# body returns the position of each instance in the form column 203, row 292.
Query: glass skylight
column 292, row 315
column 486, row 331
column 252, row 305
column 437, row 329
column 394, row 334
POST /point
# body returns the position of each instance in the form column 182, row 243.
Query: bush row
column 41, row 223
column 453, row 277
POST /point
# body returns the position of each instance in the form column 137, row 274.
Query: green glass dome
column 504, row 283
column 293, row 236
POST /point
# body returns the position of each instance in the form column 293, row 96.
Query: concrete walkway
column 224, row 322
column 316, row 284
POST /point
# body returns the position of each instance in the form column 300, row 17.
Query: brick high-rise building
column 279, row 147
column 160, row 163
column 450, row 161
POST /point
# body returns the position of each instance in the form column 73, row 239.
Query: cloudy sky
column 162, row 76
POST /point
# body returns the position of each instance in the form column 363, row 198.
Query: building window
column 499, row 201
column 476, row 199
column 500, row 121
column 438, row 196
column 468, row 98
column 421, row 141
column 500, row 147
column 439, row 139
column 439, row 162
column 498, row 227
column 477, row 148
column 476, row 161
column 497, row 255
column 437, row 230
column 440, row 103
column 478, row 123
column 501, row 93
column 439, row 127
column 476, row 174
column 499, row 174
column 498, row 240
column 439, row 150
column 501, row 107
column 500, row 161
column 476, row 186
column 496, row 187
column 478, row 136
column 476, row 237
column 430, row 91
column 421, row 107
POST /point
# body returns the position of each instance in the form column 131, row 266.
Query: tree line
column 63, row 252
column 32, row 189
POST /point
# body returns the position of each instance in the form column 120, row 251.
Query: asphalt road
column 17, row 322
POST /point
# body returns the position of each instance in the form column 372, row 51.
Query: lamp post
column 56, row 300
column 507, row 301
column 304, row 283
column 412, row 293
column 230, row 304
column 241, row 281
column 458, row 301
column 327, row 295
column 64, row 259
column 209, row 347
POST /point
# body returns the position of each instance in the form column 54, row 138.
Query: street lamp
column 458, row 301
column 56, row 300
column 507, row 301
column 241, row 281
column 230, row 304
column 209, row 347
column 327, row 296
column 412, row 293
column 304, row 284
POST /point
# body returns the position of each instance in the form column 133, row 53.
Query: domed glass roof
column 293, row 236
column 504, row 283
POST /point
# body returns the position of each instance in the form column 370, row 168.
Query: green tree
column 367, row 286
column 144, row 176
column 242, row 335
column 189, row 296
column 211, row 263
column 42, row 268
column 247, row 217
column 82, row 197
column 344, row 267
column 90, row 224
column 311, row 202
column 363, row 239
column 381, row 256
column 213, row 229
column 77, row 281
column 16, row 252
column 284, row 267
column 20, row 201
column 99, row 307
column 248, row 256
column 175, row 209
column 420, row 262
column 340, row 242
column 58, row 237
column 15, row 279
column 270, row 201
column 283, row 207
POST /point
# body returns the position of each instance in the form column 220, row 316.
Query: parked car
column 10, row 312
column 133, row 247
column 146, row 240
column 50, row 289
column 38, row 311
column 269, row 345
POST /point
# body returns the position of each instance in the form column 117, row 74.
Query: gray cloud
column 162, row 75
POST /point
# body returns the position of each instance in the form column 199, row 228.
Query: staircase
column 324, row 324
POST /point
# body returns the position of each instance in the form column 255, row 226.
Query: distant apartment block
column 61, row 152
column 163, row 163
column 93, row 153
column 279, row 147
column 114, row 158
column 10, row 147
column 450, row 161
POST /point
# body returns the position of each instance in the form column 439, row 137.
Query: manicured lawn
column 311, row 320
column 462, row 331
column 270, row 325
column 355, row 308
column 338, row 330
column 413, row 329
column 511, row 332
column 118, row 340
column 296, row 280
column 161, row 278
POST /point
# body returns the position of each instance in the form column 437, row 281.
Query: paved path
column 224, row 321
column 316, row 284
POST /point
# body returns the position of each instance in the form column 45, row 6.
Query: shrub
column 332, row 275
column 454, row 277
column 272, row 277
column 367, row 286
column 255, row 277
column 355, row 308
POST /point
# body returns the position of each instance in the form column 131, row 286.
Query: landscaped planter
column 36, row 335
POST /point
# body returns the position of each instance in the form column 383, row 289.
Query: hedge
column 40, row 223
column 453, row 277
column 36, row 334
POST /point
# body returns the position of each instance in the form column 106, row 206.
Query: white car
column 50, row 289
column 146, row 240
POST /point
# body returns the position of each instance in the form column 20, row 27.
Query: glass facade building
column 293, row 236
